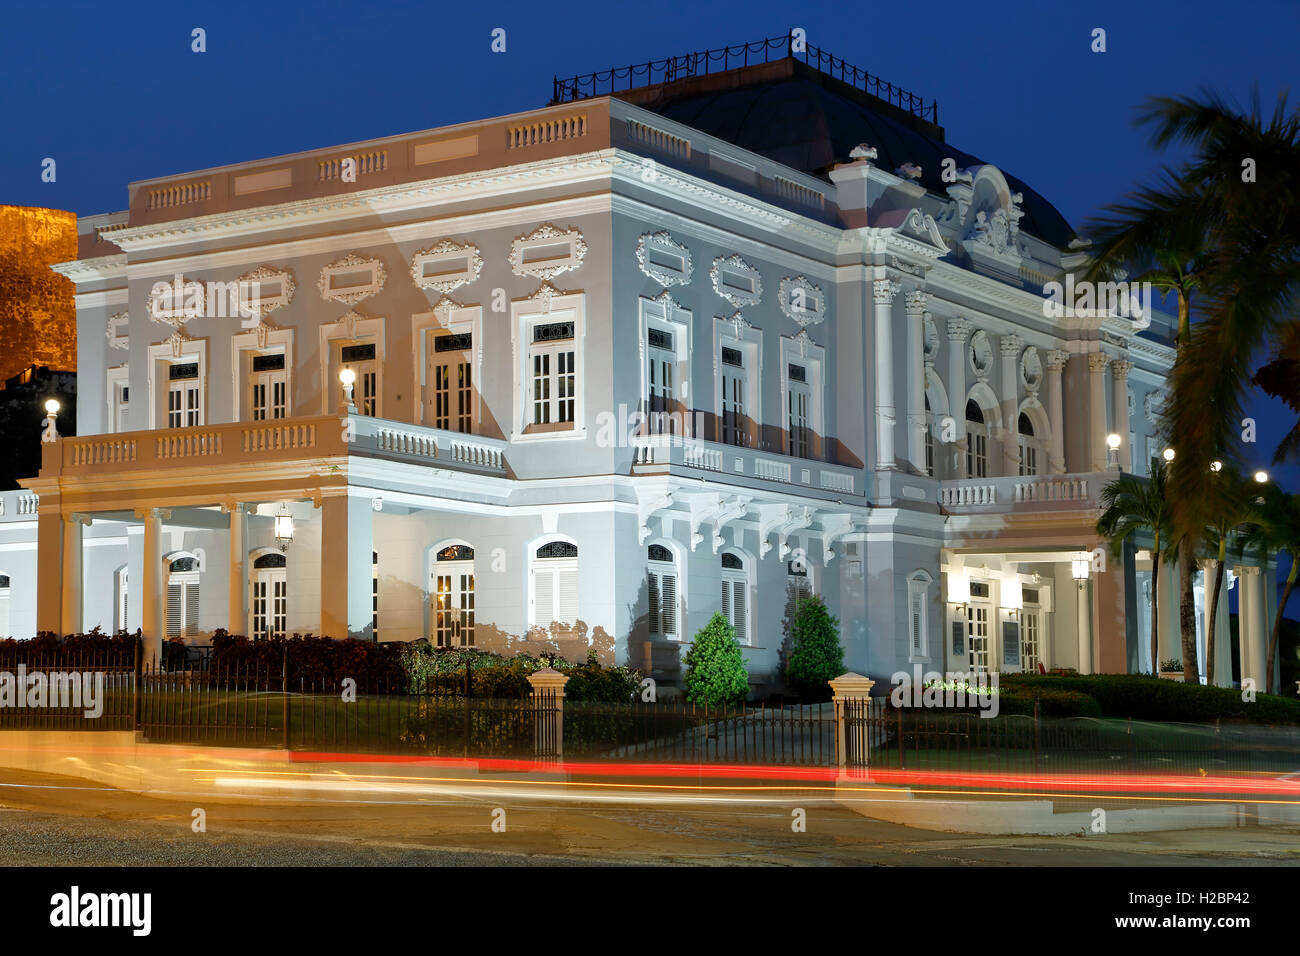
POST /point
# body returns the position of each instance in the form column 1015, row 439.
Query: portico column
column 1085, row 626
column 884, row 291
column 49, row 566
column 914, row 306
column 1253, row 629
column 70, row 605
column 152, row 612
column 346, row 608
column 1056, row 360
column 1096, row 458
column 1119, row 370
column 237, row 595
column 1011, row 345
column 958, row 331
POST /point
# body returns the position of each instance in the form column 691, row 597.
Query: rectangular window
column 553, row 375
column 735, row 603
column 798, row 402
column 121, row 405
column 662, row 586
column 555, row 595
column 268, row 387
column 661, row 363
column 183, row 395
column 182, row 606
column 735, row 383
column 977, row 452
column 451, row 401
column 365, row 391
column 1029, row 639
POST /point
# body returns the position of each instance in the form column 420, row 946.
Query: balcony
column 18, row 506
column 1027, row 494
column 278, row 440
column 670, row 454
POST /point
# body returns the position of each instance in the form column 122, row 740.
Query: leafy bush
column 715, row 671
column 1144, row 697
column 815, row 652
column 314, row 662
column 1052, row 702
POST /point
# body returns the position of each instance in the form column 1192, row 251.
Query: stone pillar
column 914, row 306
column 153, row 610
column 1056, row 360
column 958, row 332
column 1252, row 625
column 1119, row 370
column 346, row 608
column 884, row 291
column 237, row 593
column 548, row 705
column 851, row 696
column 73, row 568
column 1096, row 456
column 49, row 565
column 1011, row 345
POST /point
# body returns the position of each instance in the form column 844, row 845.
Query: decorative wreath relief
column 664, row 259
column 981, row 354
column 736, row 281
column 1031, row 370
column 352, row 279
column 176, row 302
column 801, row 300
column 547, row 252
column 266, row 289
column 116, row 329
column 446, row 265
column 930, row 338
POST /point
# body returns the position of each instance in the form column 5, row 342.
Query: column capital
column 1121, row 367
column 885, row 291
column 1056, row 360
column 164, row 513
column 914, row 301
column 79, row 517
column 1097, row 362
column 1011, row 345
column 234, row 507
column 958, row 329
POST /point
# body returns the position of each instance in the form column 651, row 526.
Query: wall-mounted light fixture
column 284, row 528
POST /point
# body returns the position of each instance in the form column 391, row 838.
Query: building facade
column 586, row 375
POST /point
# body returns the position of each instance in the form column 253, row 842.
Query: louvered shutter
column 175, row 608
column 668, row 601
column 192, row 607
column 915, row 618
column 567, row 598
column 726, row 599
column 543, row 597
column 738, row 605
column 652, row 584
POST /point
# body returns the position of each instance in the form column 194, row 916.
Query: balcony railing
column 1076, row 492
column 667, row 453
column 248, row 443
column 18, row 505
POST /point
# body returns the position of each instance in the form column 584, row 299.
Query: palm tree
column 1276, row 529
column 1132, row 505
column 1234, row 508
column 1237, row 202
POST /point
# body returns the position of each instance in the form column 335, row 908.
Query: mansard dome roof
column 809, row 120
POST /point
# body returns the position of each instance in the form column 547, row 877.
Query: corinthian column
column 1011, row 345
column 1056, row 360
column 958, row 332
column 884, row 291
column 1097, row 363
column 1119, row 370
column 914, row 305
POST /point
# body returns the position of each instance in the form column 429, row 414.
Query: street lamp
column 1169, row 454
column 50, row 434
column 1080, row 568
column 348, row 378
column 1112, row 443
column 284, row 528
column 1261, row 477
column 1216, row 466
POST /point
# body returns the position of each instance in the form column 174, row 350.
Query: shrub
column 715, row 671
column 815, row 652
column 1052, row 702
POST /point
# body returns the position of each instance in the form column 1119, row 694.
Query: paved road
column 48, row 820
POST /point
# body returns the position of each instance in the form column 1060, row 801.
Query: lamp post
column 1112, row 445
column 348, row 378
column 1080, row 569
column 50, row 433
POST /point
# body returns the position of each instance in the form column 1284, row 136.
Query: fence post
column 548, row 701
column 284, row 691
column 851, row 692
column 139, row 670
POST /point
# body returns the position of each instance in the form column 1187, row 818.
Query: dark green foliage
column 715, row 671
column 815, row 652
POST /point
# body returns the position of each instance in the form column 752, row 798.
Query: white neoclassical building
column 615, row 365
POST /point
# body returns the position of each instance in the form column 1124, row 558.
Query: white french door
column 450, row 388
column 269, row 603
column 979, row 614
column 452, row 596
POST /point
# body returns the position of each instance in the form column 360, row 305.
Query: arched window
column 555, row 587
column 451, row 596
column 182, row 596
column 1029, row 446
column 661, row 584
column 977, row 441
column 269, row 596
column 735, row 594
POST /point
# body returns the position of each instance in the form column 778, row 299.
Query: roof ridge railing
column 704, row 62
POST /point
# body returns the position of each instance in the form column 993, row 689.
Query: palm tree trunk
column 1213, row 601
column 1155, row 609
column 1277, row 627
column 1187, row 612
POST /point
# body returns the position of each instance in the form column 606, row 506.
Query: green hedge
column 1151, row 698
column 1052, row 702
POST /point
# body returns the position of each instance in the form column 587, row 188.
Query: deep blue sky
column 113, row 93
